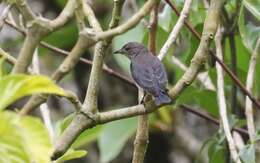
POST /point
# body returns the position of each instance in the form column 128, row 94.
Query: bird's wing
column 144, row 77
column 160, row 74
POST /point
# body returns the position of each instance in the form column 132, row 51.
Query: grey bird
column 147, row 71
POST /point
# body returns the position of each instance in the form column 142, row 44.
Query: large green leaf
column 13, row 87
column 23, row 139
column 253, row 6
column 113, row 137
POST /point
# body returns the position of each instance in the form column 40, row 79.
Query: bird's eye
column 127, row 48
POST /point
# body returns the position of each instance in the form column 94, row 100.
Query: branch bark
column 86, row 41
column 249, row 86
column 176, row 29
column 85, row 120
column 59, row 51
column 225, row 68
column 222, row 101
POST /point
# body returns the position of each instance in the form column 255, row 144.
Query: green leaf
column 23, row 139
column 113, row 137
column 218, row 154
column 249, row 32
column 87, row 136
column 247, row 154
column 71, row 154
column 253, row 6
column 35, row 139
column 84, row 138
column 68, row 31
column 13, row 87
column 207, row 99
column 185, row 96
column 63, row 124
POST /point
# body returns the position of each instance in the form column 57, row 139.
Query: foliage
column 25, row 138
column 13, row 87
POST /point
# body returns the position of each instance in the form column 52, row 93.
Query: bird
column 147, row 71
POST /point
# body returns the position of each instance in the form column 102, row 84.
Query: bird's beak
column 120, row 51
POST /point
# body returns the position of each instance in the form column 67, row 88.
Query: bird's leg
column 142, row 101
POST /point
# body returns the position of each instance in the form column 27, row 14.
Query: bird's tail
column 163, row 98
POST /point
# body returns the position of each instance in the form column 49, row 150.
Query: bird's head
column 131, row 49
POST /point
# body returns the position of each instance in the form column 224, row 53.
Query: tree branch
column 225, row 68
column 211, row 119
column 249, row 86
column 222, row 101
column 176, row 29
column 4, row 14
column 202, row 77
column 65, row 15
column 37, row 28
column 25, row 10
column 66, row 53
column 85, row 120
column 142, row 133
column 132, row 22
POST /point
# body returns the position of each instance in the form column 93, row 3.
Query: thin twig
column 44, row 109
column 221, row 100
column 211, row 119
column 129, row 24
column 176, row 29
column 249, row 86
column 90, row 102
column 85, row 120
column 57, row 50
column 225, row 68
column 4, row 14
column 83, row 42
column 37, row 28
column 202, row 77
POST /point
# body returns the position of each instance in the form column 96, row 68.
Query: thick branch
column 66, row 53
column 90, row 102
column 86, row 120
column 132, row 22
column 141, row 139
column 225, row 68
column 65, row 15
column 26, row 53
column 199, row 58
column 69, row 62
